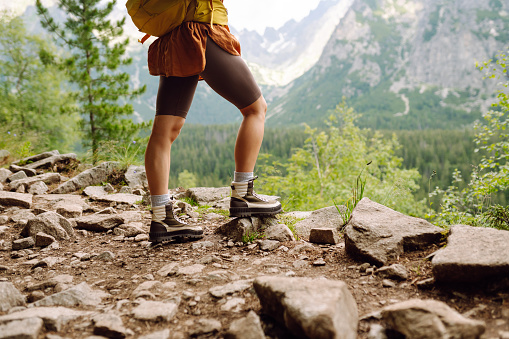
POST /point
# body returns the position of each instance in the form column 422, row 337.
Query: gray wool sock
column 242, row 176
column 159, row 200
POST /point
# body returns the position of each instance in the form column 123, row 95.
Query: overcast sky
column 250, row 14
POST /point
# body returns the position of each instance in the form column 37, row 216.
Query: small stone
column 141, row 237
column 42, row 239
column 205, row 326
column 324, row 236
column 105, row 256
column 388, row 283
column 395, row 271
column 370, row 271
column 17, row 176
column 109, row 326
column 155, row 311
column 3, row 219
column 269, row 245
column 426, row 284
column 364, row 267
column 38, row 188
column 23, row 243
column 26, row 329
column 233, row 305
column 10, row 297
column 249, row 327
column 319, row 262
column 35, row 296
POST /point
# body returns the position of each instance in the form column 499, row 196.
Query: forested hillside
column 403, row 65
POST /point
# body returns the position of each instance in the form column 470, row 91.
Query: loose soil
column 135, row 262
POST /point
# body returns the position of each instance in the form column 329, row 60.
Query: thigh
column 175, row 95
column 229, row 76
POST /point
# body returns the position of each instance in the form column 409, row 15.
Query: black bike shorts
column 228, row 75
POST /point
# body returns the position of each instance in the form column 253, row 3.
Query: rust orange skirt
column 181, row 52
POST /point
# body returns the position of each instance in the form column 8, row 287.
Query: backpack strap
column 145, row 37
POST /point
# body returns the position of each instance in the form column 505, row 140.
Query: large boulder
column 472, row 254
column 379, row 235
column 241, row 229
column 430, row 319
column 309, row 308
column 136, row 177
column 90, row 177
column 50, row 223
column 327, row 217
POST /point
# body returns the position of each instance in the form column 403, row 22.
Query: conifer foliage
column 96, row 55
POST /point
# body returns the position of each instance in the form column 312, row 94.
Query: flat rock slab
column 119, row 198
column 207, row 195
column 430, row 319
column 89, row 177
column 233, row 287
column 472, row 254
column 54, row 318
column 379, row 235
column 327, row 217
column 155, row 311
column 99, row 222
column 10, row 296
column 56, row 201
column 47, row 178
column 310, row 308
column 26, row 329
column 15, row 199
column 79, row 295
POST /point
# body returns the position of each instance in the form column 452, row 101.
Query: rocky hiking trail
column 76, row 263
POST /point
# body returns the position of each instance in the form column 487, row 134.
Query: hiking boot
column 167, row 226
column 246, row 203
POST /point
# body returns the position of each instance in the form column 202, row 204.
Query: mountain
column 402, row 64
column 280, row 56
column 406, row 64
column 276, row 58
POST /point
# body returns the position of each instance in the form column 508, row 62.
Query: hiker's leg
column 250, row 136
column 165, row 130
column 230, row 77
column 173, row 102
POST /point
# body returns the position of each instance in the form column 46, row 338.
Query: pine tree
column 96, row 55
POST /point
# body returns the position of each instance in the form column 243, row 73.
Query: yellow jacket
column 210, row 11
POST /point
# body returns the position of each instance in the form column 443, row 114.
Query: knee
column 165, row 133
column 256, row 109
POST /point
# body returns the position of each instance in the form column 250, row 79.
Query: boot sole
column 160, row 237
column 250, row 212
